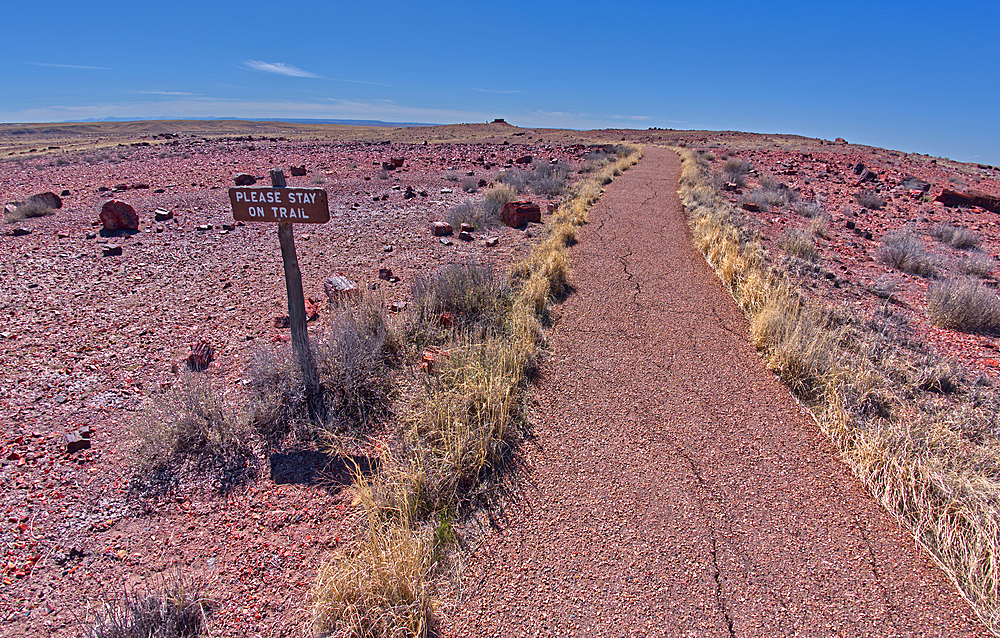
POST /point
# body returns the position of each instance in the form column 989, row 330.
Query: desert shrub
column 798, row 244
column 764, row 198
column 903, row 251
column 354, row 356
column 466, row 212
column 708, row 155
column 493, row 202
column 735, row 167
column 193, row 427
column 869, row 199
column 548, row 178
column 977, row 264
column 956, row 236
column 515, row 179
column 597, row 156
column 451, row 176
column 471, row 293
column 179, row 610
column 317, row 178
column 469, row 184
column 60, row 162
column 382, row 174
column 964, row 304
column 819, row 225
column 28, row 209
column 809, row 209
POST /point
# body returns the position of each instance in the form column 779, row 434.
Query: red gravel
column 677, row 487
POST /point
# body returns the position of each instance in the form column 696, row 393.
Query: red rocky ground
column 86, row 340
column 849, row 247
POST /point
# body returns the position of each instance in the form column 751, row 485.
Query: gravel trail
column 676, row 487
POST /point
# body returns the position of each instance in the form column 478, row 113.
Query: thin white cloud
column 163, row 93
column 360, row 82
column 278, row 68
column 632, row 117
column 494, row 91
column 70, row 66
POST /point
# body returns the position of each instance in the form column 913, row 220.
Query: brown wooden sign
column 288, row 205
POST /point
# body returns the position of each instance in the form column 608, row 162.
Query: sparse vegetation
column 809, row 209
column 317, row 178
column 922, row 440
column 958, row 237
column 869, row 199
column 977, row 264
column 903, row 251
column 798, row 244
column 544, row 178
column 179, row 610
column 964, row 304
column 493, row 202
column 469, row 184
column 28, row 209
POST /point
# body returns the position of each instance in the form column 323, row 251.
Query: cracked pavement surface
column 676, row 487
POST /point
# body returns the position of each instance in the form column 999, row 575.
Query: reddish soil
column 88, row 340
column 676, row 487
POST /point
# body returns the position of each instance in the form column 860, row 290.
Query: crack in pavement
column 876, row 572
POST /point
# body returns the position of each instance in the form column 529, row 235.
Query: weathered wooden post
column 286, row 206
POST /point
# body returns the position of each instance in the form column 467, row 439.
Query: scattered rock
column 397, row 306
column 203, row 227
column 751, row 207
column 524, row 160
column 162, row 215
column 552, row 207
column 440, row 229
column 281, row 321
column 465, row 236
column 65, row 193
column 492, row 241
column 117, row 215
column 243, row 179
column 111, row 250
column 397, row 162
column 445, row 191
column 466, row 227
column 447, row 319
column 200, row 356
column 298, row 171
column 518, row 214
column 312, row 309
column 387, row 248
column 385, row 274
column 445, row 241
column 340, row 290
column 19, row 232
column 140, row 186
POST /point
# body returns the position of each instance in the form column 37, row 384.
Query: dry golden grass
column 922, row 440
column 452, row 450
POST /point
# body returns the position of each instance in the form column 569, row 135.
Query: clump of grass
column 734, row 167
column 317, row 178
column 194, row 427
column 179, row 610
column 977, row 264
column 353, row 356
column 958, row 237
column 964, row 304
column 903, row 251
column 798, row 244
column 471, row 293
column 809, row 209
column 469, row 184
column 869, row 199
column 451, row 176
column 28, row 209
column 819, row 225
column 544, row 178
column 493, row 202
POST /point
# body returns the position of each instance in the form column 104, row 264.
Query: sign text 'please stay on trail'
column 291, row 205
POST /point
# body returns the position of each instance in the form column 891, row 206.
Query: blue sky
column 913, row 76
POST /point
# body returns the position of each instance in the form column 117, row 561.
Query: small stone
column 492, row 241
column 385, row 274
column 19, row 232
column 75, row 443
column 204, row 227
column 467, row 227
column 90, row 235
column 162, row 215
column 48, row 199
column 465, row 236
column 298, row 171
column 65, row 193
column 160, row 190
column 244, row 179
column 200, row 356
column 445, row 191
column 387, row 248
column 397, row 306
column 339, row 289
column 445, row 241
column 111, row 250
column 158, row 229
